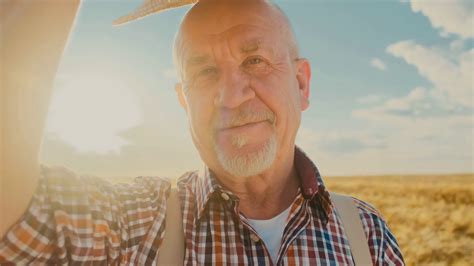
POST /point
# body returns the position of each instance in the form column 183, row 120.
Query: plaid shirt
column 75, row 220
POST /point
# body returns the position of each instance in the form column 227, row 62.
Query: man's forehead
column 206, row 12
column 246, row 25
column 242, row 39
column 218, row 19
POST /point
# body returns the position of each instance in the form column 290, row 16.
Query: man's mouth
column 244, row 125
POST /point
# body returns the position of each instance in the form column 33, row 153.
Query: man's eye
column 256, row 65
column 207, row 71
column 253, row 61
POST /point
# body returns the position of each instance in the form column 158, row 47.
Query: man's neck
column 265, row 196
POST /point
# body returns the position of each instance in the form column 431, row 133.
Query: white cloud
column 418, row 105
column 339, row 152
column 444, row 34
column 339, row 142
column 452, row 78
column 421, row 133
column 393, row 145
column 453, row 16
column 379, row 64
column 405, row 103
column 456, row 45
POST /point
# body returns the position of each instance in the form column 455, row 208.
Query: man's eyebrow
column 255, row 45
column 196, row 60
column 250, row 46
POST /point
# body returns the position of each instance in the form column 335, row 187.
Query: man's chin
column 248, row 160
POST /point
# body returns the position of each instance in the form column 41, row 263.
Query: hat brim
column 150, row 8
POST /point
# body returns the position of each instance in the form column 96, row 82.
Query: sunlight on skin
column 90, row 114
column 32, row 66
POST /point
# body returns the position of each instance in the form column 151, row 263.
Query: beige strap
column 172, row 248
column 353, row 227
column 171, row 251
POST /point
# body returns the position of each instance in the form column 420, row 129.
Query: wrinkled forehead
column 242, row 38
column 240, row 23
column 214, row 16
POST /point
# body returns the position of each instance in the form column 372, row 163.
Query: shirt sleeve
column 382, row 243
column 74, row 219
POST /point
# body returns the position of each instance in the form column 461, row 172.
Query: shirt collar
column 311, row 186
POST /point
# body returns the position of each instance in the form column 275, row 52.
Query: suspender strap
column 172, row 248
column 171, row 251
column 353, row 227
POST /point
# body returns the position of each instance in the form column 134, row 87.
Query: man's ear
column 303, row 76
column 180, row 94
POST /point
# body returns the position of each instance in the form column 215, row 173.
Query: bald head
column 214, row 17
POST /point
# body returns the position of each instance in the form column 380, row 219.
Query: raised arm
column 33, row 36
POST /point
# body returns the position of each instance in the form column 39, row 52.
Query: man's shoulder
column 364, row 208
column 371, row 218
column 63, row 178
column 189, row 178
column 367, row 209
column 382, row 242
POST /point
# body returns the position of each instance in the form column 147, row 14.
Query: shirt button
column 254, row 238
column 225, row 196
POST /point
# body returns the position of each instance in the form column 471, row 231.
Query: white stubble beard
column 249, row 164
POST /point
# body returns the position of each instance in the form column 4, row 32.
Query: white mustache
column 246, row 117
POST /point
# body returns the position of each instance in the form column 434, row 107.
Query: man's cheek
column 203, row 122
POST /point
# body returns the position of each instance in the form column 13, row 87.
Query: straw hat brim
column 149, row 8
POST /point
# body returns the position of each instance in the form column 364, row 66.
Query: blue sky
column 391, row 90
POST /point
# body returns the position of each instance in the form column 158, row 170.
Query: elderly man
column 259, row 199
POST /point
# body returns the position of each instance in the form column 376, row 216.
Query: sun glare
column 90, row 113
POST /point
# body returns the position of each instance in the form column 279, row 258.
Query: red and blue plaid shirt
column 79, row 219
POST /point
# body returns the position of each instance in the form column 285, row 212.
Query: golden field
column 432, row 217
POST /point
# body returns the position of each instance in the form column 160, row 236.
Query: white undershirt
column 271, row 231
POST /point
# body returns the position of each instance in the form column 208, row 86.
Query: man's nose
column 234, row 90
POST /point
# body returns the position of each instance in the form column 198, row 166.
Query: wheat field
column 432, row 217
